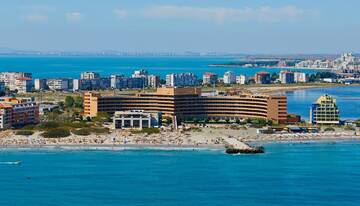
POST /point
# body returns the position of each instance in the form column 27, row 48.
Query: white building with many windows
column 181, row 80
column 229, row 77
column 89, row 75
column 209, row 78
column 20, row 81
column 300, row 77
column 242, row 79
column 136, row 119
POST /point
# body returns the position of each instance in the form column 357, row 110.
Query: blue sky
column 244, row 26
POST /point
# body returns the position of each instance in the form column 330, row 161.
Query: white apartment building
column 76, row 85
column 114, row 80
column 89, row 75
column 10, row 80
column 287, row 77
column 59, row 84
column 209, row 78
column 153, row 81
column 23, row 84
column 242, row 79
column 182, row 79
column 300, row 77
column 40, row 84
column 229, row 77
column 140, row 73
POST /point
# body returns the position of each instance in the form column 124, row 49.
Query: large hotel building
column 184, row 103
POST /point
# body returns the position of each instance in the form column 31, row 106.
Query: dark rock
column 254, row 150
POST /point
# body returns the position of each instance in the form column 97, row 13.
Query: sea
column 50, row 66
column 297, row 174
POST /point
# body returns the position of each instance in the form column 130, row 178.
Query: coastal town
column 180, row 110
column 346, row 66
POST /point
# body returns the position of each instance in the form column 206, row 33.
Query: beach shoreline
column 154, row 147
column 205, row 139
column 115, row 147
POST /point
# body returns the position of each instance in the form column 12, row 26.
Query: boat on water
column 11, row 163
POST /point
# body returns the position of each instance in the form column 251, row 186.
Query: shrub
column 257, row 122
column 81, row 132
column 24, row 132
column 146, row 130
column 48, row 125
column 29, row 127
column 195, row 129
column 56, row 133
column 98, row 130
column 349, row 128
column 76, row 124
column 329, row 129
column 234, row 127
column 151, row 130
column 69, row 101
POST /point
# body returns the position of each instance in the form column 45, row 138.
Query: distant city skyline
column 247, row 27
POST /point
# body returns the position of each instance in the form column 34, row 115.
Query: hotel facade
column 16, row 112
column 325, row 111
column 186, row 103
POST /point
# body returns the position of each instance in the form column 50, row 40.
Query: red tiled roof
column 2, row 105
column 262, row 73
column 24, row 78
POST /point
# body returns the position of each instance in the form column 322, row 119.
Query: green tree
column 61, row 105
column 102, row 117
column 274, row 76
column 358, row 123
column 168, row 120
column 69, row 101
column 312, row 78
column 162, row 81
column 78, row 102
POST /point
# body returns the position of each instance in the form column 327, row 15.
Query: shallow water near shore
column 288, row 174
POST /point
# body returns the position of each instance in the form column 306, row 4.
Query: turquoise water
column 348, row 100
column 288, row 174
column 73, row 66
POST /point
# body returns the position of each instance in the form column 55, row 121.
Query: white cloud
column 221, row 14
column 120, row 13
column 73, row 16
column 36, row 18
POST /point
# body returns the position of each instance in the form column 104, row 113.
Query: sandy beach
column 208, row 137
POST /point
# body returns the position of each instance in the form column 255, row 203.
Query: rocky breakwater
column 234, row 146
